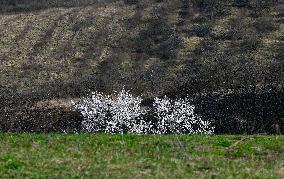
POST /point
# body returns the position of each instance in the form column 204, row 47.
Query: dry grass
column 115, row 42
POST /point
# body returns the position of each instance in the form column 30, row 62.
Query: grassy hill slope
column 51, row 50
column 150, row 46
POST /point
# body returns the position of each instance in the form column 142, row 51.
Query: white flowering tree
column 103, row 113
column 122, row 112
column 178, row 117
column 95, row 111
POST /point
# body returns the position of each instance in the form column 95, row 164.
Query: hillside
column 54, row 50
column 165, row 43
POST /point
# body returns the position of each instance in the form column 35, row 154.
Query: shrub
column 178, row 117
column 112, row 115
column 123, row 112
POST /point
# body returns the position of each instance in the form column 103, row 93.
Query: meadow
column 30, row 155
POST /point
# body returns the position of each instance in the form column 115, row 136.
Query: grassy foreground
column 130, row 156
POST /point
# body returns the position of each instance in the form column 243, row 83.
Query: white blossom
column 122, row 112
column 178, row 117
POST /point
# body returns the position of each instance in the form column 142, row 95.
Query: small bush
column 112, row 115
column 178, row 117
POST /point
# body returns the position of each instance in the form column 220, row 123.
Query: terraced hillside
column 153, row 47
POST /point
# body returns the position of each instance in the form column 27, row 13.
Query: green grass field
column 131, row 156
